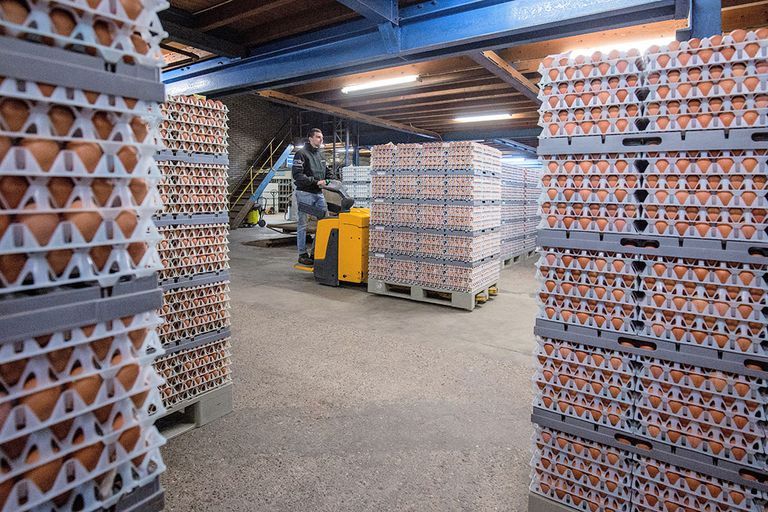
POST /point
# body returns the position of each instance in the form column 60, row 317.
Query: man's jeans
column 316, row 201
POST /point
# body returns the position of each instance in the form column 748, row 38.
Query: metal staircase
column 252, row 183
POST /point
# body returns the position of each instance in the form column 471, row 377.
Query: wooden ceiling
column 446, row 87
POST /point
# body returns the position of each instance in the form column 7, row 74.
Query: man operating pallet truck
column 341, row 240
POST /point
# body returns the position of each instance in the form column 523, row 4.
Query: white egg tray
column 194, row 249
column 430, row 216
column 656, row 482
column 569, row 66
column 110, row 160
column 476, row 188
column 438, row 156
column 193, row 372
column 438, row 276
column 614, row 126
column 729, row 53
column 196, row 105
column 450, row 247
column 102, row 31
column 116, row 473
column 357, row 174
column 724, row 120
column 193, row 311
column 748, row 87
column 209, row 127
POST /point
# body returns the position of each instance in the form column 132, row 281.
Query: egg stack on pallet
column 435, row 222
column 520, row 191
column 194, row 253
column 78, row 258
column 532, row 212
column 357, row 181
column 654, row 278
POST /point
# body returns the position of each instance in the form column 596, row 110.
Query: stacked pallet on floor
column 435, row 222
column 532, row 216
column 520, row 191
column 78, row 257
column 652, row 357
column 357, row 181
column 194, row 253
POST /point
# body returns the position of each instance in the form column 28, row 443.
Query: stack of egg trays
column 78, row 290
column 676, row 300
column 512, row 211
column 433, row 225
column 194, row 251
column 532, row 220
column 357, row 181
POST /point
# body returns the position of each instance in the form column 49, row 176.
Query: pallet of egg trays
column 532, row 211
column 435, row 218
column 659, row 253
column 192, row 124
column 357, row 181
column 78, row 126
column 512, row 212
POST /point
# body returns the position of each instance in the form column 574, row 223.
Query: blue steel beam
column 378, row 11
column 704, row 20
column 519, row 146
column 449, row 28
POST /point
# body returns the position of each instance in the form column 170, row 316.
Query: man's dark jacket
column 308, row 168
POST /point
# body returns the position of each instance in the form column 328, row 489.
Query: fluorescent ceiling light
column 482, row 117
column 380, row 83
column 641, row 46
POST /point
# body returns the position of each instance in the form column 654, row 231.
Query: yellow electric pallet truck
column 341, row 240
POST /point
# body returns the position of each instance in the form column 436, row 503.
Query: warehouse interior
column 504, row 319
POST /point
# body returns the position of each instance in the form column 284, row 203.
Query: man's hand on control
column 322, row 183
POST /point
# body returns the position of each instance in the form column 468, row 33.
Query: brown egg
column 130, row 438
column 128, row 157
column 136, row 251
column 15, row 113
column 140, row 45
column 140, row 129
column 63, row 22
column 11, row 266
column 60, row 189
column 14, row 11
column 89, row 153
column 43, row 151
column 139, row 189
column 132, row 8
column 5, row 145
column 59, row 359
column 43, row 476
column 86, row 222
column 102, row 124
column 102, row 190
column 99, row 255
column 88, row 387
column 127, row 222
column 62, row 119
column 12, row 372
column 41, row 225
column 58, row 260
column 103, row 32
column 12, row 189
column 42, row 402
column 89, row 456
column 128, row 375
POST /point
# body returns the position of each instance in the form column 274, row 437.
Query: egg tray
column 440, row 217
column 741, row 53
column 182, row 263
column 193, row 199
column 188, row 305
column 574, row 496
column 650, row 481
column 112, row 36
column 721, row 86
column 472, row 188
column 701, row 463
column 73, row 73
column 179, row 376
column 54, row 409
column 196, row 105
column 188, row 375
column 655, row 481
column 600, row 65
column 75, row 488
column 77, row 366
column 434, row 246
column 176, row 156
column 356, row 174
column 435, row 276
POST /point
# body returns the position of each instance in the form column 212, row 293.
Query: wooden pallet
column 517, row 259
column 538, row 503
column 461, row 300
column 196, row 412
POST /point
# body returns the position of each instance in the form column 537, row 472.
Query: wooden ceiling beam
column 452, row 115
column 296, row 101
column 746, row 16
column 463, row 107
column 230, row 12
column 431, row 94
column 436, row 103
column 296, row 23
column 491, row 61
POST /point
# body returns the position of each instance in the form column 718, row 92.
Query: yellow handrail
column 273, row 149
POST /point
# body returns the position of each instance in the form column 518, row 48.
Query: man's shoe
column 304, row 259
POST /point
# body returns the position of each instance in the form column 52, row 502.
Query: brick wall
column 253, row 121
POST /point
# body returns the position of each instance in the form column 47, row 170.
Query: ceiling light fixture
column 482, row 117
column 406, row 79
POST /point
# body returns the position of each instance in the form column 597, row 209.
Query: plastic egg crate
column 94, row 477
column 719, row 414
column 581, row 474
column 657, row 485
column 512, row 248
column 570, row 67
column 356, row 174
column 195, row 109
column 106, row 30
column 584, row 382
column 192, row 311
column 737, row 47
column 431, row 216
column 190, row 373
column 461, row 248
column 448, row 156
column 458, row 187
column 591, row 121
column 432, row 275
column 717, row 82
column 193, row 188
column 362, row 190
column 193, row 249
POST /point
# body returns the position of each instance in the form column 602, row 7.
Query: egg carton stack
column 435, row 230
column 78, row 256
column 512, row 212
column 195, row 257
column 531, row 207
column 652, row 361
column 357, row 181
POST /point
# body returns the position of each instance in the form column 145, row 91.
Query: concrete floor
column 348, row 401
